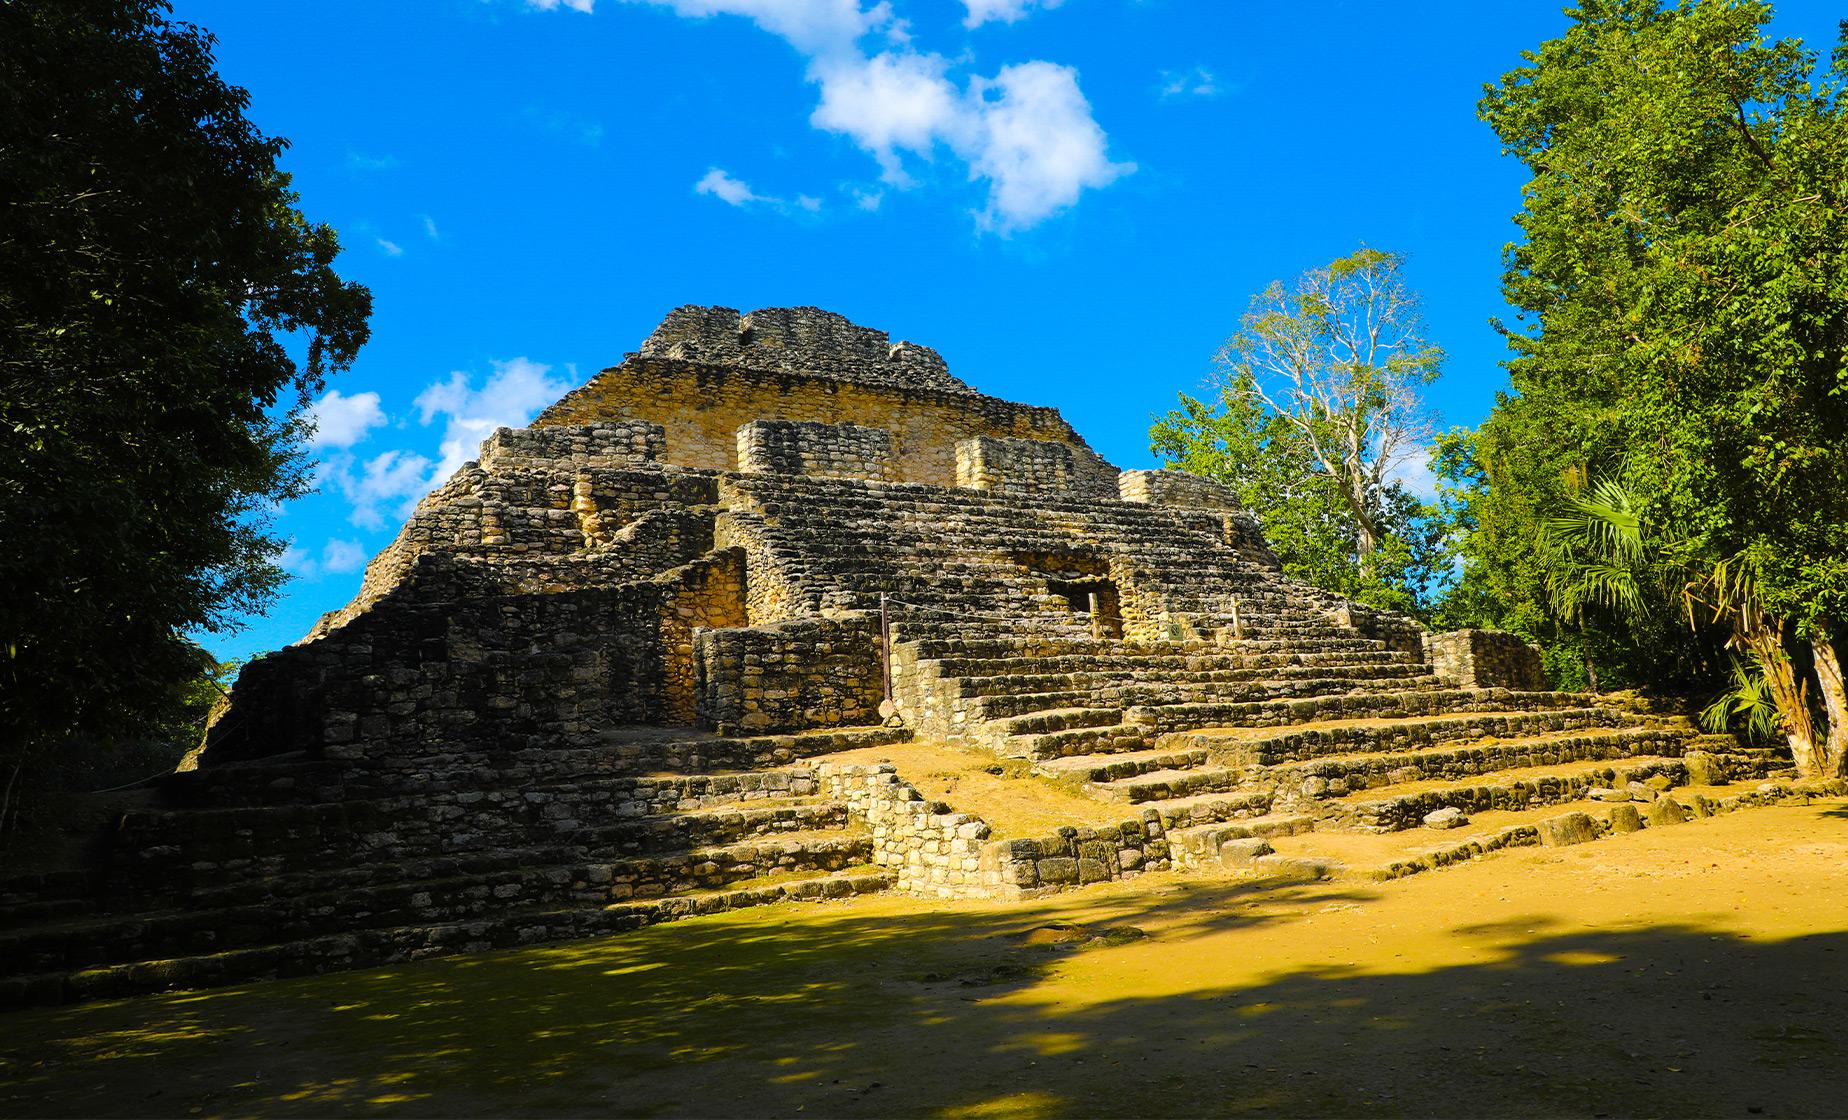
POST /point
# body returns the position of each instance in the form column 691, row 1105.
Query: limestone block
column 1665, row 810
column 1568, row 828
column 1625, row 818
column 1451, row 817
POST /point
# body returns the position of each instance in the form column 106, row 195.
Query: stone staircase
column 294, row 865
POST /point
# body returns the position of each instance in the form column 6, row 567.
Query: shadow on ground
column 1122, row 1004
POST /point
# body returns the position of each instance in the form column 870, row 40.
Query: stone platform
column 598, row 678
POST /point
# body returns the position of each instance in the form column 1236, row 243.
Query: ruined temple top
column 800, row 340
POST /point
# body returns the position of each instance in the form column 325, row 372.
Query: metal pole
column 885, row 646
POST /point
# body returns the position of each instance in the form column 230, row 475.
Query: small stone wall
column 609, row 443
column 934, row 851
column 789, row 676
column 816, row 450
column 1485, row 659
column 1074, row 856
column 798, row 340
column 1174, row 488
column 926, row 423
column 944, row 854
column 1032, row 468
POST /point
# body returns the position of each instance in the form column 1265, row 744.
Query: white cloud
column 389, row 248
column 360, row 162
column 1197, row 82
column 1028, row 132
column 1038, row 145
column 299, row 562
column 808, row 202
column 866, row 200
column 1002, row 11
column 395, row 478
column 553, row 5
column 893, row 101
column 814, row 27
column 1415, row 474
column 342, row 421
column 430, row 230
column 722, row 186
column 342, row 556
column 508, row 398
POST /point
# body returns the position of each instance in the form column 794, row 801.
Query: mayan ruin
column 968, row 560
column 628, row 666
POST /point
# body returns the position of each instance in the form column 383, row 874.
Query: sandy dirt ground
column 1694, row 970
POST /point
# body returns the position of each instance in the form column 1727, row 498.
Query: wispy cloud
column 1027, row 132
column 1195, row 82
column 336, row 558
column 508, row 397
column 341, row 421
column 362, row 163
column 559, row 122
column 430, row 230
column 389, row 248
column 1002, row 11
column 551, row 5
column 722, row 185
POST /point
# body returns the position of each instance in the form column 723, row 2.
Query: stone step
column 1166, row 785
column 1265, row 746
column 1338, row 775
column 420, row 891
column 1161, row 719
column 1147, row 659
column 1131, row 676
column 1007, row 705
column 1127, row 764
column 1203, row 846
column 1395, row 808
column 506, row 929
column 1061, row 719
column 1108, row 739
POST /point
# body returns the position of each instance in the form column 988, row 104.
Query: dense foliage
column 165, row 313
column 1682, row 290
column 1315, row 405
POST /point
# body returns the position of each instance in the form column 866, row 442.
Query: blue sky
column 1072, row 201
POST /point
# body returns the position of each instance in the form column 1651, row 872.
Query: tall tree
column 165, row 314
column 1682, row 284
column 1318, row 403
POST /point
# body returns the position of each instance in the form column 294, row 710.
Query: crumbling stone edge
column 939, row 853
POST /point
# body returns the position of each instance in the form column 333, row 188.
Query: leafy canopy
column 165, row 314
column 1316, row 400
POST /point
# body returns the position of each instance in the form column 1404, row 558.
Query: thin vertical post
column 1238, row 624
column 1097, row 622
column 885, row 646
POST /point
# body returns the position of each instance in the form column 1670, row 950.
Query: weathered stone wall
column 1174, row 488
column 798, row 340
column 1031, row 468
column 945, row 854
column 526, row 513
column 815, row 450
column 789, row 676
column 608, row 443
column 1075, row 856
column 701, row 407
column 1485, row 659
column 452, row 659
column 934, row 851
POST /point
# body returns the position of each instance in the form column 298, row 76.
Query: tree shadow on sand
column 962, row 1012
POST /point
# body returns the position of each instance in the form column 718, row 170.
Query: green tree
column 1316, row 400
column 1682, row 289
column 166, row 314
